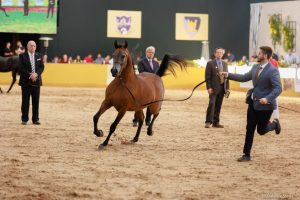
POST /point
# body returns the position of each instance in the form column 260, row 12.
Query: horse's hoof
column 149, row 132
column 133, row 141
column 101, row 147
column 98, row 133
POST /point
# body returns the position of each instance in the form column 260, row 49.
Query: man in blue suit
column 266, row 87
column 147, row 64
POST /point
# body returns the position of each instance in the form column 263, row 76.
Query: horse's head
column 121, row 59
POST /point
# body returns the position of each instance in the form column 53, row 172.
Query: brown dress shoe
column 218, row 126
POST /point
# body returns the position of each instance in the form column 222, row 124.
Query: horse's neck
column 129, row 73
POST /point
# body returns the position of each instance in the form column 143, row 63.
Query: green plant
column 288, row 37
column 275, row 29
column 283, row 63
column 241, row 63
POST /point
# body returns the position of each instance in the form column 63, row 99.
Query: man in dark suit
column 26, row 7
column 31, row 67
column 147, row 64
column 262, row 101
column 51, row 4
column 216, row 87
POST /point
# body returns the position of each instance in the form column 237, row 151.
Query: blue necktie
column 220, row 65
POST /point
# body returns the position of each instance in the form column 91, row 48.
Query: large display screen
column 28, row 16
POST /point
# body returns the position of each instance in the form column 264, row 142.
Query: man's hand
column 263, row 101
column 33, row 76
column 224, row 74
column 210, row 91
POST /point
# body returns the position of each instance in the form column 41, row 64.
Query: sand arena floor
column 182, row 160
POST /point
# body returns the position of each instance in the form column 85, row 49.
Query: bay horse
column 131, row 92
column 10, row 64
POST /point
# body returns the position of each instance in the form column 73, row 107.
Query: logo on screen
column 192, row 25
column 124, row 24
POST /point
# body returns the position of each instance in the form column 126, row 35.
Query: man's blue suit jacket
column 267, row 85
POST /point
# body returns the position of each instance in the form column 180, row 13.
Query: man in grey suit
column 216, row 87
column 266, row 87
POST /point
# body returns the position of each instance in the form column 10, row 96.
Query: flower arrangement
column 241, row 63
column 275, row 28
column 282, row 63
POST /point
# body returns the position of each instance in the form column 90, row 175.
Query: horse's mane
column 169, row 63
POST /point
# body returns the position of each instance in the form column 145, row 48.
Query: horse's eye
column 123, row 56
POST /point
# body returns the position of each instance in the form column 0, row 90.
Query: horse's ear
column 116, row 44
column 126, row 44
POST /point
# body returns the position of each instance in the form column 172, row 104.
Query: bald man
column 31, row 67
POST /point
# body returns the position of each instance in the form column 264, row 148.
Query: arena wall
column 94, row 75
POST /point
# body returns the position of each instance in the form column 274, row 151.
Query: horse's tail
column 169, row 63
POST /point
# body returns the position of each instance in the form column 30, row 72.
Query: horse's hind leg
column 1, row 90
column 149, row 129
column 104, row 106
column 4, row 12
column 14, row 77
column 141, row 117
column 113, row 128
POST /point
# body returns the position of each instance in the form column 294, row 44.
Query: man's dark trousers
column 214, row 106
column 34, row 92
column 259, row 118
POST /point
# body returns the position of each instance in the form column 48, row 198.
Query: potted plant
column 288, row 37
column 275, row 29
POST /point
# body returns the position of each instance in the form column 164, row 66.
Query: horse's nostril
column 113, row 72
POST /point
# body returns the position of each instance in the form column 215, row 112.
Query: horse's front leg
column 104, row 106
column 149, row 129
column 1, row 90
column 14, row 78
column 141, row 117
column 113, row 128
